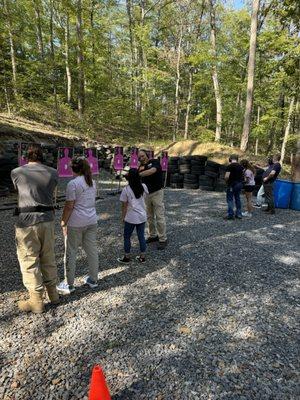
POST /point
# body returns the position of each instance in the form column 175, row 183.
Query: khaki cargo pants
column 35, row 250
column 156, row 215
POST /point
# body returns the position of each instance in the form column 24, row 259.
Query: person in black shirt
column 234, row 178
column 151, row 174
column 269, row 177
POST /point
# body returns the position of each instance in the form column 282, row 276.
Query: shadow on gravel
column 213, row 316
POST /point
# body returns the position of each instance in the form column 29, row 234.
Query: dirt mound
column 19, row 129
column 214, row 151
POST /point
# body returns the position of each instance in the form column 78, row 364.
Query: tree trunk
column 176, row 117
column 53, row 66
column 215, row 72
column 39, row 33
column 81, row 89
column 251, row 71
column 12, row 46
column 5, row 86
column 67, row 63
column 188, row 107
column 133, row 50
column 257, row 124
column 287, row 129
column 296, row 164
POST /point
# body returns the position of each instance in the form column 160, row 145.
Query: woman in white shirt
column 79, row 225
column 134, row 214
column 249, row 172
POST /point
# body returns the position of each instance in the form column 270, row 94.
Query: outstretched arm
column 148, row 172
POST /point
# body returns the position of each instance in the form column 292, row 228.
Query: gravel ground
column 214, row 316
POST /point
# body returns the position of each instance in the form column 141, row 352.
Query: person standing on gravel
column 79, row 225
column 260, row 197
column 36, row 183
column 151, row 174
column 249, row 172
column 269, row 177
column 134, row 214
column 234, row 178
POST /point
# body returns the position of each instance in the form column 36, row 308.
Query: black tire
column 206, row 188
column 197, row 170
column 191, row 185
column 212, row 164
column 176, row 178
column 211, row 174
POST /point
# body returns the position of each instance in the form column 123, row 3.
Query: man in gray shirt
column 36, row 183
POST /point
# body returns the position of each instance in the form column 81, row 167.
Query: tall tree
column 37, row 12
column 287, row 129
column 251, row 71
column 215, row 71
column 8, row 15
column 81, row 86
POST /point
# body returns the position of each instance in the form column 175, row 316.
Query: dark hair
column 35, row 153
column 233, row 157
column 135, row 182
column 247, row 165
column 81, row 167
column 277, row 157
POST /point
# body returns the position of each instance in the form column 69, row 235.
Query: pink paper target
column 91, row 156
column 118, row 158
column 64, row 159
column 134, row 158
column 164, row 161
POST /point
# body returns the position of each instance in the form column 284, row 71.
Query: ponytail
column 81, row 167
column 87, row 173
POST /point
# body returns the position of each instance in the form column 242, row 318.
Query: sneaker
column 140, row 259
column 162, row 245
column 246, row 214
column 64, row 288
column 238, row 217
column 124, row 260
column 89, row 281
column 152, row 239
column 257, row 205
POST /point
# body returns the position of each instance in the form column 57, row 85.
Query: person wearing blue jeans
column 134, row 214
column 233, row 194
column 234, row 178
column 140, row 230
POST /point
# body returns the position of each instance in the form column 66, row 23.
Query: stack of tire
column 221, row 184
column 176, row 181
column 211, row 174
column 173, row 167
column 190, row 181
column 173, row 178
column 50, row 155
column 8, row 161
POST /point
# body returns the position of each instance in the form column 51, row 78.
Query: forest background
column 156, row 70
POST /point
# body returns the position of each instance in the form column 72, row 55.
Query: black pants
column 269, row 196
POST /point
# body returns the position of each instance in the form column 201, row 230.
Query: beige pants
column 35, row 249
column 156, row 215
column 85, row 237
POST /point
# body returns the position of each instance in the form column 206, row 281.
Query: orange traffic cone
column 98, row 387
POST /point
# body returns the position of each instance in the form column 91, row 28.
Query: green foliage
column 129, row 62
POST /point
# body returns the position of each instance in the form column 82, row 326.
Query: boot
column 33, row 304
column 52, row 294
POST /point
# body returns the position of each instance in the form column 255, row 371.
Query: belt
column 22, row 210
